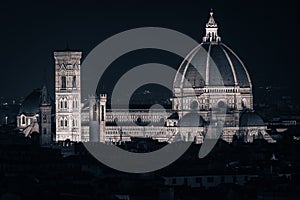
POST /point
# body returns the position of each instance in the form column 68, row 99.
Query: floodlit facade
column 67, row 95
column 211, row 78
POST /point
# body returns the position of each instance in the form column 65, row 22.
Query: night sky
column 264, row 34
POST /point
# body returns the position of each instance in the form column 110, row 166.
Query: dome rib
column 218, row 57
column 242, row 64
column 207, row 66
column 231, row 65
column 224, row 69
column 180, row 68
column 231, row 69
column 183, row 78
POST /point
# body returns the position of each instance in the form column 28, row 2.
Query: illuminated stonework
column 94, row 122
column 67, row 95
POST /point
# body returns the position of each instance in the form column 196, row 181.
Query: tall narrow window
column 102, row 113
column 61, row 103
column 44, row 118
column 61, row 122
column 66, row 103
column 244, row 103
column 66, row 122
column 63, row 82
column 74, row 82
column 95, row 112
column 23, row 120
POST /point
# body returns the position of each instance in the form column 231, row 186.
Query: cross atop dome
column 211, row 28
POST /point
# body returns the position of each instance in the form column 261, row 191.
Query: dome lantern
column 211, row 35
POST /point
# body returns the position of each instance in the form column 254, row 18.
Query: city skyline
column 128, row 99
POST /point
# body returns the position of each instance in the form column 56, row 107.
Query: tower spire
column 211, row 28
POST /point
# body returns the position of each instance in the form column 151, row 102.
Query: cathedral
column 196, row 94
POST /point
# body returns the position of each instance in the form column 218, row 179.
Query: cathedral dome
column 30, row 105
column 198, row 68
column 192, row 119
column 250, row 118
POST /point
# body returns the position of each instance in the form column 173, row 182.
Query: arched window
column 95, row 112
column 74, row 82
column 75, row 104
column 61, row 122
column 23, row 120
column 63, row 82
column 66, row 103
column 66, row 122
column 44, row 118
column 244, row 103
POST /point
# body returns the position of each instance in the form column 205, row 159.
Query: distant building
column 35, row 116
column 8, row 113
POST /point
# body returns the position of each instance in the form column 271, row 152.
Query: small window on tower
column 63, row 82
column 61, row 105
column 44, row 118
column 102, row 113
column 23, row 120
column 66, row 122
column 74, row 82
column 66, row 103
column 94, row 112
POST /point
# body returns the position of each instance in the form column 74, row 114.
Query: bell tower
column 45, row 118
column 94, row 119
column 67, row 95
